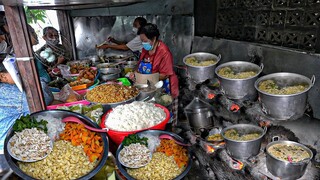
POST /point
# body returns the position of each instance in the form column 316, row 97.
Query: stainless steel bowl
column 58, row 114
column 108, row 106
column 107, row 71
column 156, row 133
column 285, row 169
column 145, row 92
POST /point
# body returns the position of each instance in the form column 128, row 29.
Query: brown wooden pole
column 17, row 24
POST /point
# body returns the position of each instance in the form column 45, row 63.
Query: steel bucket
column 244, row 149
column 200, row 74
column 284, row 107
column 239, row 88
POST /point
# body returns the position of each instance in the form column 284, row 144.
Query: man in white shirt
column 134, row 45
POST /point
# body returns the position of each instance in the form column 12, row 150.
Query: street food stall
column 248, row 93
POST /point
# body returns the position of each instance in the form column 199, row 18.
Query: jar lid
column 195, row 105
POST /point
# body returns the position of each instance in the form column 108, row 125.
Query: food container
column 284, row 107
column 199, row 115
column 239, row 88
column 157, row 133
column 108, row 106
column 244, row 149
column 201, row 73
column 107, row 65
column 284, row 169
column 85, row 62
column 146, row 93
column 109, row 73
column 58, row 114
column 118, row 136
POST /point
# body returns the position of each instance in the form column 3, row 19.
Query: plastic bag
column 10, row 64
column 67, row 95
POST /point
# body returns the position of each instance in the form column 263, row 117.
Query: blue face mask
column 147, row 46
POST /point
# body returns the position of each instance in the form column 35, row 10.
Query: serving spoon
column 166, row 136
column 77, row 120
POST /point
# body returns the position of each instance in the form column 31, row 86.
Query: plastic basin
column 118, row 136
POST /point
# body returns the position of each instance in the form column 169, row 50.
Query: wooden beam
column 66, row 31
column 16, row 20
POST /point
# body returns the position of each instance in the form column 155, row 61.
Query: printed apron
column 145, row 67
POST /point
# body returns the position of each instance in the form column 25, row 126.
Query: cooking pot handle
column 265, row 129
column 261, row 66
column 313, row 80
column 275, row 138
column 219, row 57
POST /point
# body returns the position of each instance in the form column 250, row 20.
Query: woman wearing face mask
column 157, row 58
column 52, row 53
column 133, row 45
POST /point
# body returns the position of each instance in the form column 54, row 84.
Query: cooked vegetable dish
column 194, row 62
column 64, row 162
column 161, row 167
column 135, row 155
column 111, row 93
column 215, row 137
column 227, row 72
column 30, row 144
column 271, row 87
column 288, row 152
column 234, row 135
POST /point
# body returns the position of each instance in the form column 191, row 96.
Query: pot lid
column 196, row 104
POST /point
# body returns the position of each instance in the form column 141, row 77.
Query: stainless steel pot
column 239, row 88
column 285, row 169
column 107, row 65
column 284, row 107
column 131, row 63
column 199, row 115
column 201, row 73
column 244, row 149
column 110, row 70
column 107, row 74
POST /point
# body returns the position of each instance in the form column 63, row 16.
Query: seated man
column 52, row 53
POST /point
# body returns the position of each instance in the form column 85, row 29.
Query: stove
column 214, row 159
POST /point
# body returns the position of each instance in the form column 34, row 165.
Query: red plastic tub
column 118, row 136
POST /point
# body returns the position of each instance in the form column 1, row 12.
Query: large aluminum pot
column 244, row 149
column 239, row 88
column 285, row 107
column 201, row 73
column 284, row 169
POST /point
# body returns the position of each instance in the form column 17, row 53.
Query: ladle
column 77, row 120
column 166, row 136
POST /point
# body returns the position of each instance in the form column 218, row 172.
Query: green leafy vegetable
column 133, row 138
column 27, row 122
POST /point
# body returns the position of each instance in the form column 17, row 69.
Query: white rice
column 55, row 126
